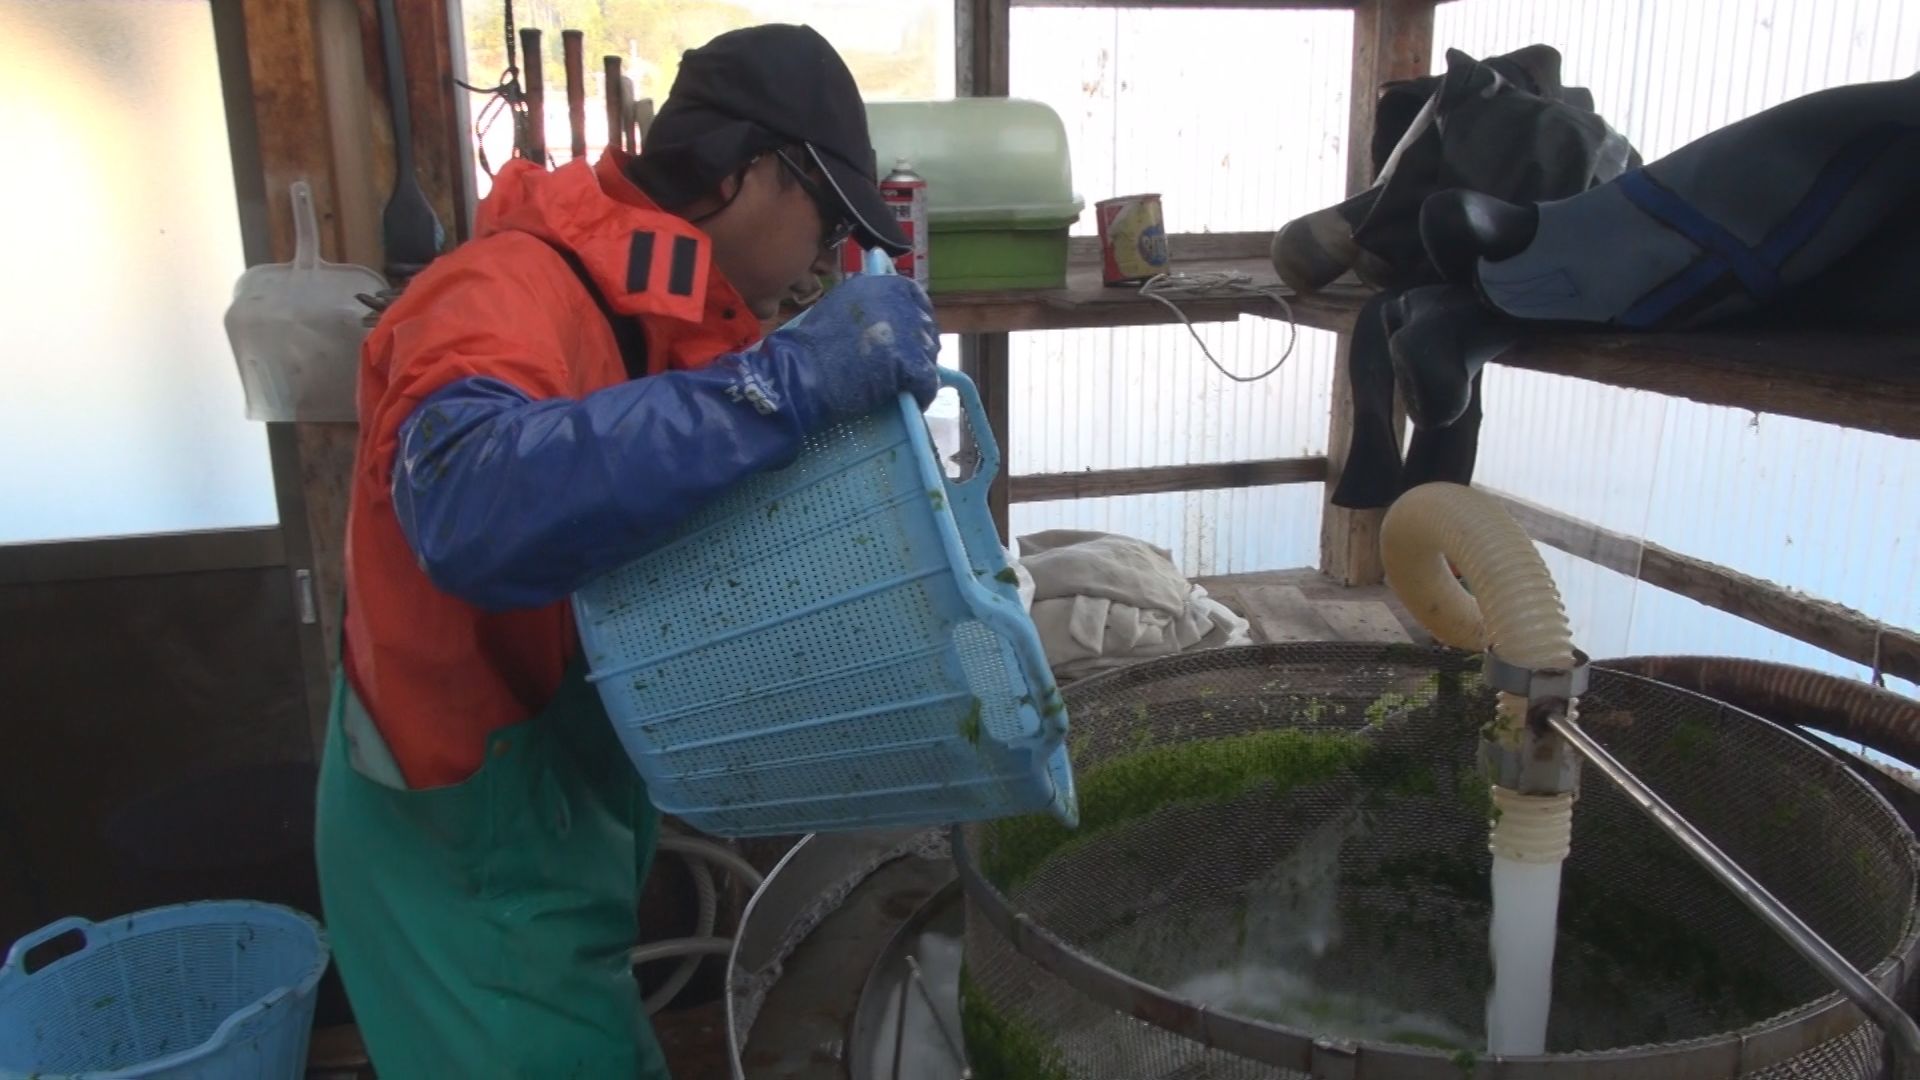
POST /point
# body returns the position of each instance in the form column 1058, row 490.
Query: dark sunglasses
column 835, row 226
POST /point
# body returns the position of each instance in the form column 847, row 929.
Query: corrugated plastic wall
column 1831, row 512
column 1238, row 120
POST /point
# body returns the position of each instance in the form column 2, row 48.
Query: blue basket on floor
column 836, row 645
column 211, row 991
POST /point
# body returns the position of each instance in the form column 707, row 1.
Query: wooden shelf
column 1086, row 303
column 1867, row 381
column 1870, row 382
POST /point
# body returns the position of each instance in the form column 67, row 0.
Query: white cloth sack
column 1102, row 601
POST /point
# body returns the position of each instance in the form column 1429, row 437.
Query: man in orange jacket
column 535, row 409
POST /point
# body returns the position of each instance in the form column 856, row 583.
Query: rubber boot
column 1733, row 224
column 1460, row 227
column 1439, row 337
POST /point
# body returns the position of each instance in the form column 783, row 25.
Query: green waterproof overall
column 482, row 929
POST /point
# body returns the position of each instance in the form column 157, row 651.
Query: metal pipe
column 933, row 1009
column 1901, row 1031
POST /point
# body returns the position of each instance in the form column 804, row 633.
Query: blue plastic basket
column 836, row 645
column 212, row 991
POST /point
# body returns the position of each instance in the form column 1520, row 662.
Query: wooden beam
column 326, row 455
column 1870, row 382
column 985, row 359
column 294, row 140
column 1840, row 630
column 1185, row 247
column 1392, row 40
column 1048, row 487
column 1199, row 5
column 290, row 119
column 1085, row 302
column 985, row 69
column 986, row 65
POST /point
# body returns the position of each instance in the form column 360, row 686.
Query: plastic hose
column 685, row 946
column 709, row 910
column 1531, row 828
column 725, row 858
column 1514, row 608
column 699, row 855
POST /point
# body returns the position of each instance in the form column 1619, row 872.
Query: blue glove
column 511, row 502
column 869, row 338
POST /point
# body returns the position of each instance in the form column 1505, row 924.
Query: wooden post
column 985, row 70
column 533, row 77
column 616, row 105
column 292, row 139
column 1392, row 39
column 573, row 56
column 293, row 61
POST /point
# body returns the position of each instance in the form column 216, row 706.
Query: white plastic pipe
column 1515, row 610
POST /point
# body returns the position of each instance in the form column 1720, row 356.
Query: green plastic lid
column 989, row 163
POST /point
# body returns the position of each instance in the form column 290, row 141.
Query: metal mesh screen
column 1295, row 838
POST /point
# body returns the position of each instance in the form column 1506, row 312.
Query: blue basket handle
column 981, row 430
column 17, row 956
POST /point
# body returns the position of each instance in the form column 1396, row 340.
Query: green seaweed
column 1007, row 576
column 970, row 726
column 1001, row 1047
column 1384, row 706
column 1692, row 740
column 938, row 498
column 1136, row 784
column 1476, row 794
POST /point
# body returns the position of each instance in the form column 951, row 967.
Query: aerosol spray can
column 905, row 192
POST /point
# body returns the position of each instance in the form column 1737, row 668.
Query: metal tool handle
column 1901, row 1031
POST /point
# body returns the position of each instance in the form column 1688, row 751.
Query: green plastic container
column 999, row 188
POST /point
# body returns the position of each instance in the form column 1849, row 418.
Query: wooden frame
column 1393, row 39
column 1840, row 630
column 1201, row 5
column 1047, row 487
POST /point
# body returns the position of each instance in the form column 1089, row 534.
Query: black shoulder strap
column 627, row 333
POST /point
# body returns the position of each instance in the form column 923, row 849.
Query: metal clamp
column 1540, row 762
column 1537, row 685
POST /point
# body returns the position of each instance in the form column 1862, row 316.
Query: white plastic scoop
column 296, row 328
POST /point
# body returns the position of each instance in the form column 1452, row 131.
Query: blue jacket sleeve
column 511, row 502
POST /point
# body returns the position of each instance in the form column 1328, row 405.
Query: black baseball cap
column 751, row 91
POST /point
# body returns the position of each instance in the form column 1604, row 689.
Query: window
column 122, row 412
column 897, row 51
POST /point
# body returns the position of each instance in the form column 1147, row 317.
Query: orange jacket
column 437, row 674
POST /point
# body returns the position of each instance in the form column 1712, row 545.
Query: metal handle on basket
column 17, row 956
column 978, row 428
